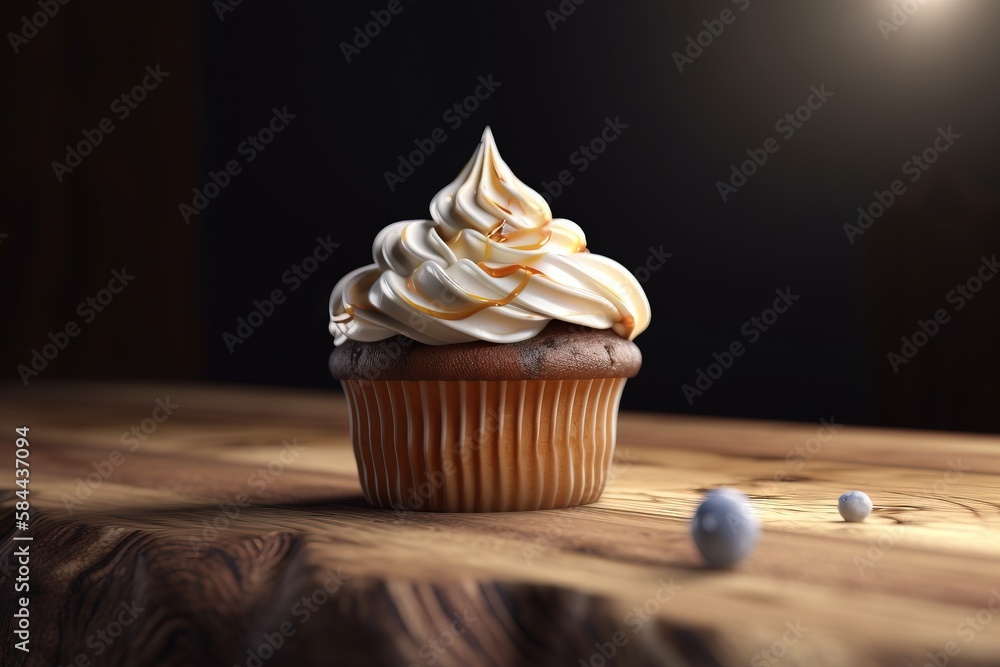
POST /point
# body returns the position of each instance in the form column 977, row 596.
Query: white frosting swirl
column 491, row 265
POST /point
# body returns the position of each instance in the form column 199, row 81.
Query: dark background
column 654, row 186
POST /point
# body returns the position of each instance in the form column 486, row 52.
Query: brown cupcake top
column 559, row 352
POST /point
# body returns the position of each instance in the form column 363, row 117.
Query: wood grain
column 221, row 543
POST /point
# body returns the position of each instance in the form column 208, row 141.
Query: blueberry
column 854, row 506
column 725, row 528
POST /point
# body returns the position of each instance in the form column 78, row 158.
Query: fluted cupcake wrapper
column 483, row 446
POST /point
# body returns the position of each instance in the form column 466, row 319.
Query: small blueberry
column 725, row 527
column 854, row 506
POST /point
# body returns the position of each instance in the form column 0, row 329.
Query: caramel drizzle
column 629, row 323
column 498, row 235
column 462, row 313
column 349, row 309
column 512, row 202
column 497, row 232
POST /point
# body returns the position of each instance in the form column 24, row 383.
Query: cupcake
column 484, row 353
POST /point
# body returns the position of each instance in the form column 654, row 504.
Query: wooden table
column 235, row 533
